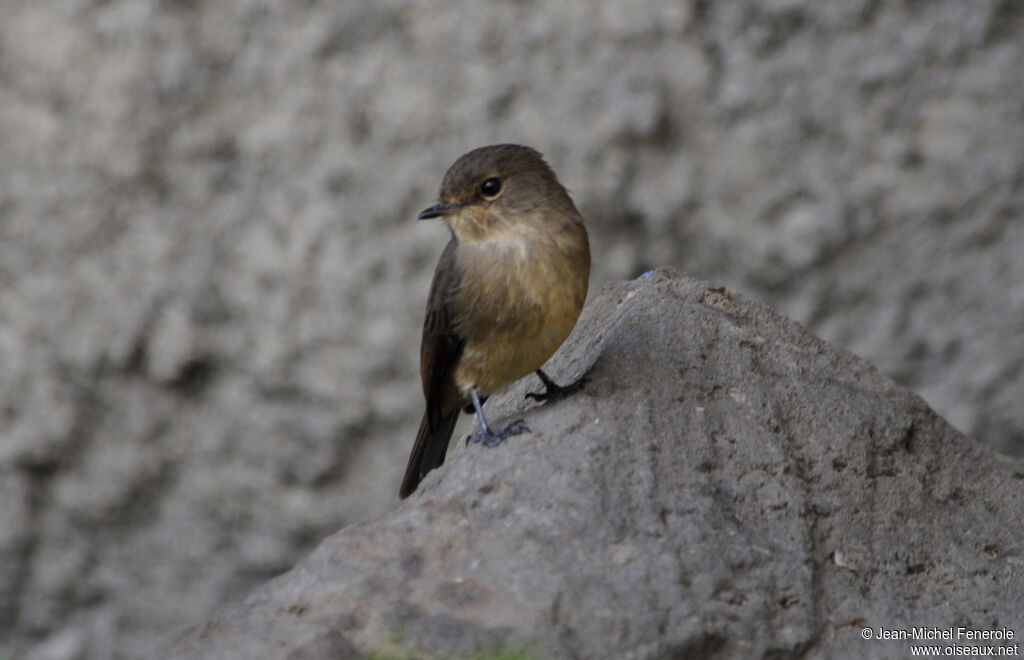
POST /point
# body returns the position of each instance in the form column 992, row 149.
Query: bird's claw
column 553, row 392
column 490, row 439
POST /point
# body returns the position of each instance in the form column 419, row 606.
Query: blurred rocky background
column 211, row 280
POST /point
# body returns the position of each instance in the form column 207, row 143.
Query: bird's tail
column 428, row 452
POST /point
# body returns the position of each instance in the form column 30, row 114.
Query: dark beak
column 437, row 210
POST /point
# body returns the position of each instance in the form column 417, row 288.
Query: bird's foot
column 488, row 438
column 553, row 392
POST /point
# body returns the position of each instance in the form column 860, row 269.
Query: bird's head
column 492, row 190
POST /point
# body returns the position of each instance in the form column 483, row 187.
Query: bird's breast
column 518, row 299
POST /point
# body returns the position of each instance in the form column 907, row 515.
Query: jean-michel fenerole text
column 932, row 633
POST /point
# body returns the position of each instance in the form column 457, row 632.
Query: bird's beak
column 438, row 210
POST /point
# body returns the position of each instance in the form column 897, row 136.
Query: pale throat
column 475, row 224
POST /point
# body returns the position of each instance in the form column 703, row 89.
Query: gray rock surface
column 211, row 283
column 727, row 486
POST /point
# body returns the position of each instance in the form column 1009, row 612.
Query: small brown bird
column 506, row 293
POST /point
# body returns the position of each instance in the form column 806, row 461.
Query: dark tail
column 428, row 452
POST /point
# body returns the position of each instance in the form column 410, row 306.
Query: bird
column 507, row 291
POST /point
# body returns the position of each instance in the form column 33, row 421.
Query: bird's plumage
column 506, row 292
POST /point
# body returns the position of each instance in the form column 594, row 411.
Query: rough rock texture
column 211, row 283
column 728, row 486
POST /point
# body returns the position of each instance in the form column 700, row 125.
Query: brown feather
column 428, row 451
column 507, row 290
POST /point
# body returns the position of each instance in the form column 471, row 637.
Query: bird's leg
column 553, row 391
column 485, row 435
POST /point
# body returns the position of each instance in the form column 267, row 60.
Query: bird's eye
column 491, row 187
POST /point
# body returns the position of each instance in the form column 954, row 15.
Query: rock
column 726, row 485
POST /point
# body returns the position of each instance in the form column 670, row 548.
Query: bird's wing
column 441, row 345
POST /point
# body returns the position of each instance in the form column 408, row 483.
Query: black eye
column 491, row 187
